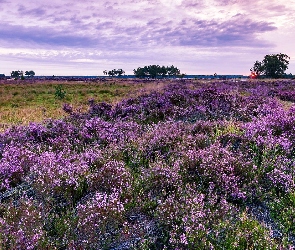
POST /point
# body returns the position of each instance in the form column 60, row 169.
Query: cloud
column 126, row 31
column 17, row 34
column 238, row 31
column 35, row 12
column 108, row 34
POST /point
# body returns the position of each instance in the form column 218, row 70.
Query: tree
column 173, row 71
column 155, row 71
column 30, row 73
column 17, row 74
column 111, row 73
column 119, row 72
column 163, row 71
column 257, row 69
column 140, row 72
column 273, row 65
column 114, row 72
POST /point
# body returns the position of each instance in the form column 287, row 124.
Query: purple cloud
column 35, row 12
column 35, row 35
column 239, row 31
column 146, row 30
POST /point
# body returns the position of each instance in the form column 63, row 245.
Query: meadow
column 22, row 102
column 164, row 164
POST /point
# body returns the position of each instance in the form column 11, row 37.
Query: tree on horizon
column 273, row 65
column 155, row 71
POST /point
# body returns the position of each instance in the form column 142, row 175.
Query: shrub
column 21, row 224
column 99, row 220
column 60, row 93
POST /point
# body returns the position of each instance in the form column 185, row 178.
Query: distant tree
column 273, row 65
column 141, row 72
column 155, row 71
column 16, row 74
column 114, row 72
column 111, row 73
column 173, row 71
column 119, row 72
column 30, row 73
column 163, row 71
column 257, row 69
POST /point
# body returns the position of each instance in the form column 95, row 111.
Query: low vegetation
column 22, row 102
column 181, row 165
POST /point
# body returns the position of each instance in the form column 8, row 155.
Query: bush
column 60, row 93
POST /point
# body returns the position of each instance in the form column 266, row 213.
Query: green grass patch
column 21, row 103
column 283, row 211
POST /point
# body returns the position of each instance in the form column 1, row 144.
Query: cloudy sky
column 75, row 37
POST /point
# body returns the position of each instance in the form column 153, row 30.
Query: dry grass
column 22, row 102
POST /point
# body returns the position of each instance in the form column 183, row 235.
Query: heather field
column 175, row 164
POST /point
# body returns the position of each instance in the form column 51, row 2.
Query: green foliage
column 30, row 73
column 245, row 233
column 60, row 93
column 149, row 206
column 155, row 71
column 273, row 65
column 257, row 69
column 16, row 74
column 59, row 226
column 97, row 182
column 114, row 72
column 283, row 211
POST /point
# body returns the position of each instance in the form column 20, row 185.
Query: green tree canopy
column 30, row 73
column 273, row 65
column 114, row 72
column 17, row 74
column 155, row 71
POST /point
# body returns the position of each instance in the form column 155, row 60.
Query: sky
column 75, row 37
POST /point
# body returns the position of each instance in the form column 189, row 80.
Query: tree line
column 155, row 71
column 272, row 66
column 151, row 71
column 16, row 74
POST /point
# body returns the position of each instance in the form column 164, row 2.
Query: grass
column 25, row 102
column 22, row 102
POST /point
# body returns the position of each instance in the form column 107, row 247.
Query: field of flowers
column 193, row 165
